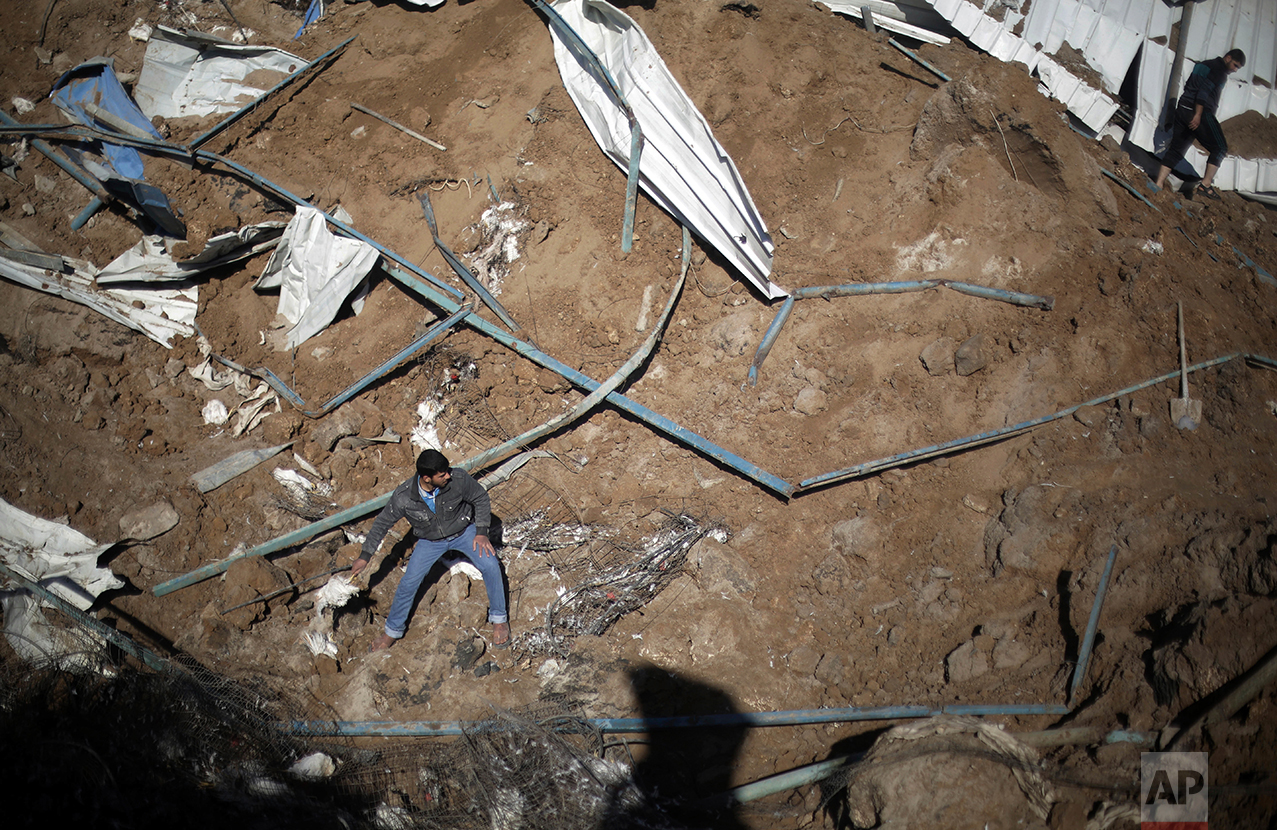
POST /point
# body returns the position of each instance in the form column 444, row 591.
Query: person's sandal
column 500, row 635
column 1209, row 192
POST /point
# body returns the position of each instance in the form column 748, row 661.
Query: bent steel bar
column 1084, row 655
column 72, row 169
column 959, row 444
column 274, row 381
column 608, row 386
column 311, row 530
column 1013, row 297
column 796, row 717
column 652, row 419
column 858, row 289
column 773, row 331
column 115, row 638
column 1130, row 189
column 256, row 102
column 636, row 132
column 912, row 56
column 459, row 268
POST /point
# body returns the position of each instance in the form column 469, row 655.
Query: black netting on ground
column 132, row 747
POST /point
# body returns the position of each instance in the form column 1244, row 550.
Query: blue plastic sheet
column 94, row 82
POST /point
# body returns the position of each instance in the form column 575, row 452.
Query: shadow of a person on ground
column 685, row 771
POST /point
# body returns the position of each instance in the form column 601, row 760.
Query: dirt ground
column 967, row 578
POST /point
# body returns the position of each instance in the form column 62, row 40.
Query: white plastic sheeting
column 191, row 75
column 682, row 168
column 315, row 271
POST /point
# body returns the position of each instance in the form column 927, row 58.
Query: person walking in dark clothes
column 1195, row 119
column 448, row 511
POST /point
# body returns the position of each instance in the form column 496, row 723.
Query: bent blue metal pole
column 1084, row 655
column 797, row 717
column 773, row 331
column 652, row 419
column 95, row 204
column 459, row 268
column 631, row 186
column 256, row 102
column 73, row 170
column 1013, row 297
column 960, row 444
column 1130, row 189
column 116, row 638
column 212, row 569
column 920, row 61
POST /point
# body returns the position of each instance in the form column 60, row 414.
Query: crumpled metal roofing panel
column 1092, row 106
column 1109, row 34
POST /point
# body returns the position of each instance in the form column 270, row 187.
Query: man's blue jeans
column 424, row 556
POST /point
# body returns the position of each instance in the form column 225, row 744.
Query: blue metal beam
column 1088, row 640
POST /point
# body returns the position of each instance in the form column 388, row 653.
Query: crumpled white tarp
column 158, row 313
column 186, row 75
column 62, row 560
column 149, row 260
column 315, row 271
column 682, row 168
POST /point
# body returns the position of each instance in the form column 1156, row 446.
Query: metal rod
column 95, row 204
column 1130, row 190
column 631, row 187
column 280, row 543
column 858, row 289
column 459, row 268
column 1183, row 353
column 397, row 126
column 116, row 638
column 434, row 333
column 73, row 170
column 652, row 419
column 960, row 444
column 1241, row 691
column 920, row 61
column 1088, row 640
column 235, row 116
column 769, row 338
column 799, row 717
column 1013, row 297
column 287, row 588
column 794, row 778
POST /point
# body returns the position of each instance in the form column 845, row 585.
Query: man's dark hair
column 1237, row 55
column 431, row 462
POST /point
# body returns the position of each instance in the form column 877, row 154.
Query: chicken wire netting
column 124, row 745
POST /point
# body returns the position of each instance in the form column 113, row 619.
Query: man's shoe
column 382, row 643
column 500, row 635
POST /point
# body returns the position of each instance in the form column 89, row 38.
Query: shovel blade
column 1186, row 413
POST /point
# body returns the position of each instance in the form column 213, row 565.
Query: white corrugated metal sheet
column 1110, row 35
